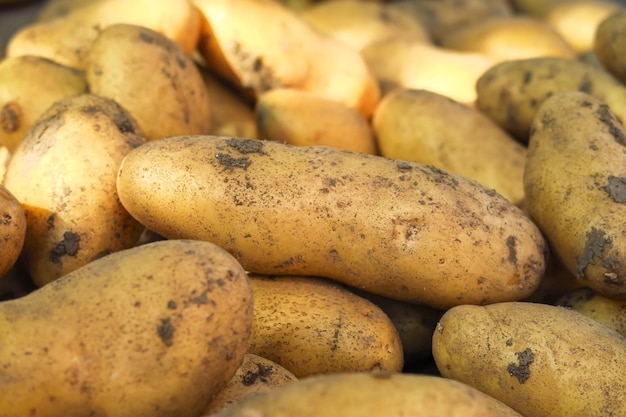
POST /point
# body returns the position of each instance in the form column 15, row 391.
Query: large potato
column 541, row 360
column 401, row 229
column 379, row 394
column 609, row 44
column 575, row 182
column 12, row 230
column 155, row 330
column 64, row 175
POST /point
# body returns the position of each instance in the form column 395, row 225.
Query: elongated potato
column 12, row 229
column 608, row 311
column 392, row 227
column 541, row 360
column 609, row 44
column 64, row 175
column 155, row 330
column 372, row 393
column 313, row 326
column 511, row 92
column 574, row 183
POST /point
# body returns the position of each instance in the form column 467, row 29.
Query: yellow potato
column 155, row 330
column 314, row 326
column 261, row 44
column 511, row 92
column 609, row 44
column 379, row 394
column 426, row 127
column 396, row 228
column 610, row 312
column 254, row 376
column 28, row 86
column 574, row 183
column 12, row 230
column 126, row 59
column 53, row 9
column 541, row 360
column 305, row 119
column 64, row 175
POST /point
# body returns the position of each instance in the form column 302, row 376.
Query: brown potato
column 610, row 312
column 155, row 330
column 64, row 174
column 396, row 228
column 12, row 230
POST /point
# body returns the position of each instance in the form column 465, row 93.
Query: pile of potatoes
column 314, row 207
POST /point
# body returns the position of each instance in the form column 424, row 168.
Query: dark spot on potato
column 403, row 166
column 527, row 77
column 288, row 262
column 146, row 37
column 11, row 117
column 165, row 330
column 246, row 145
column 510, row 244
column 7, row 219
column 521, row 371
column 259, row 77
column 261, row 374
column 171, row 304
column 231, row 163
column 68, row 246
column 201, row 299
column 123, row 123
column 593, row 247
column 605, row 116
column 586, row 103
column 616, row 189
column 586, row 84
column 509, row 342
column 180, row 60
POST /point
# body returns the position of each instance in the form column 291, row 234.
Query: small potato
column 155, row 330
column 255, row 375
column 610, row 42
column 313, row 326
column 575, row 186
column 12, row 230
column 395, row 228
column 64, row 174
column 305, row 119
column 379, row 394
column 127, row 59
column 426, row 127
column 610, row 312
column 540, row 360
column 28, row 86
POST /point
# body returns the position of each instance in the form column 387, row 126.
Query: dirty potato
column 12, row 230
column 608, row 311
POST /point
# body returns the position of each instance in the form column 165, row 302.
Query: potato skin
column 573, row 183
column 64, row 175
column 371, row 393
column 539, row 359
column 12, row 230
column 609, row 44
column 154, row 330
column 608, row 311
column 396, row 228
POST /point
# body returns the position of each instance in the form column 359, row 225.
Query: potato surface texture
column 12, row 229
column 381, row 394
column 539, row 359
column 574, row 182
column 154, row 330
column 397, row 228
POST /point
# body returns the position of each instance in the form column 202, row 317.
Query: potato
column 609, row 44
column 67, row 39
column 255, row 375
column 149, row 331
column 301, row 118
column 574, row 185
column 395, row 228
column 12, row 229
column 371, row 393
column 64, row 175
column 509, row 37
column 126, row 59
column 541, row 360
column 313, row 326
column 610, row 312
column 426, row 127
column 28, row 86
column 53, row 9
column 261, row 44
column 511, row 92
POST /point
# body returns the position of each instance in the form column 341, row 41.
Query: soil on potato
column 521, row 370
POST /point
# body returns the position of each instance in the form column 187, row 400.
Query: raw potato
column 255, row 375
column 379, row 394
column 53, row 9
column 305, row 119
column 415, row 125
column 610, row 42
column 314, row 326
column 610, row 312
column 575, row 182
column 540, row 360
column 155, row 330
column 12, row 230
column 28, row 86
column 261, row 44
column 64, row 175
column 511, row 92
column 395, row 228
column 127, row 59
